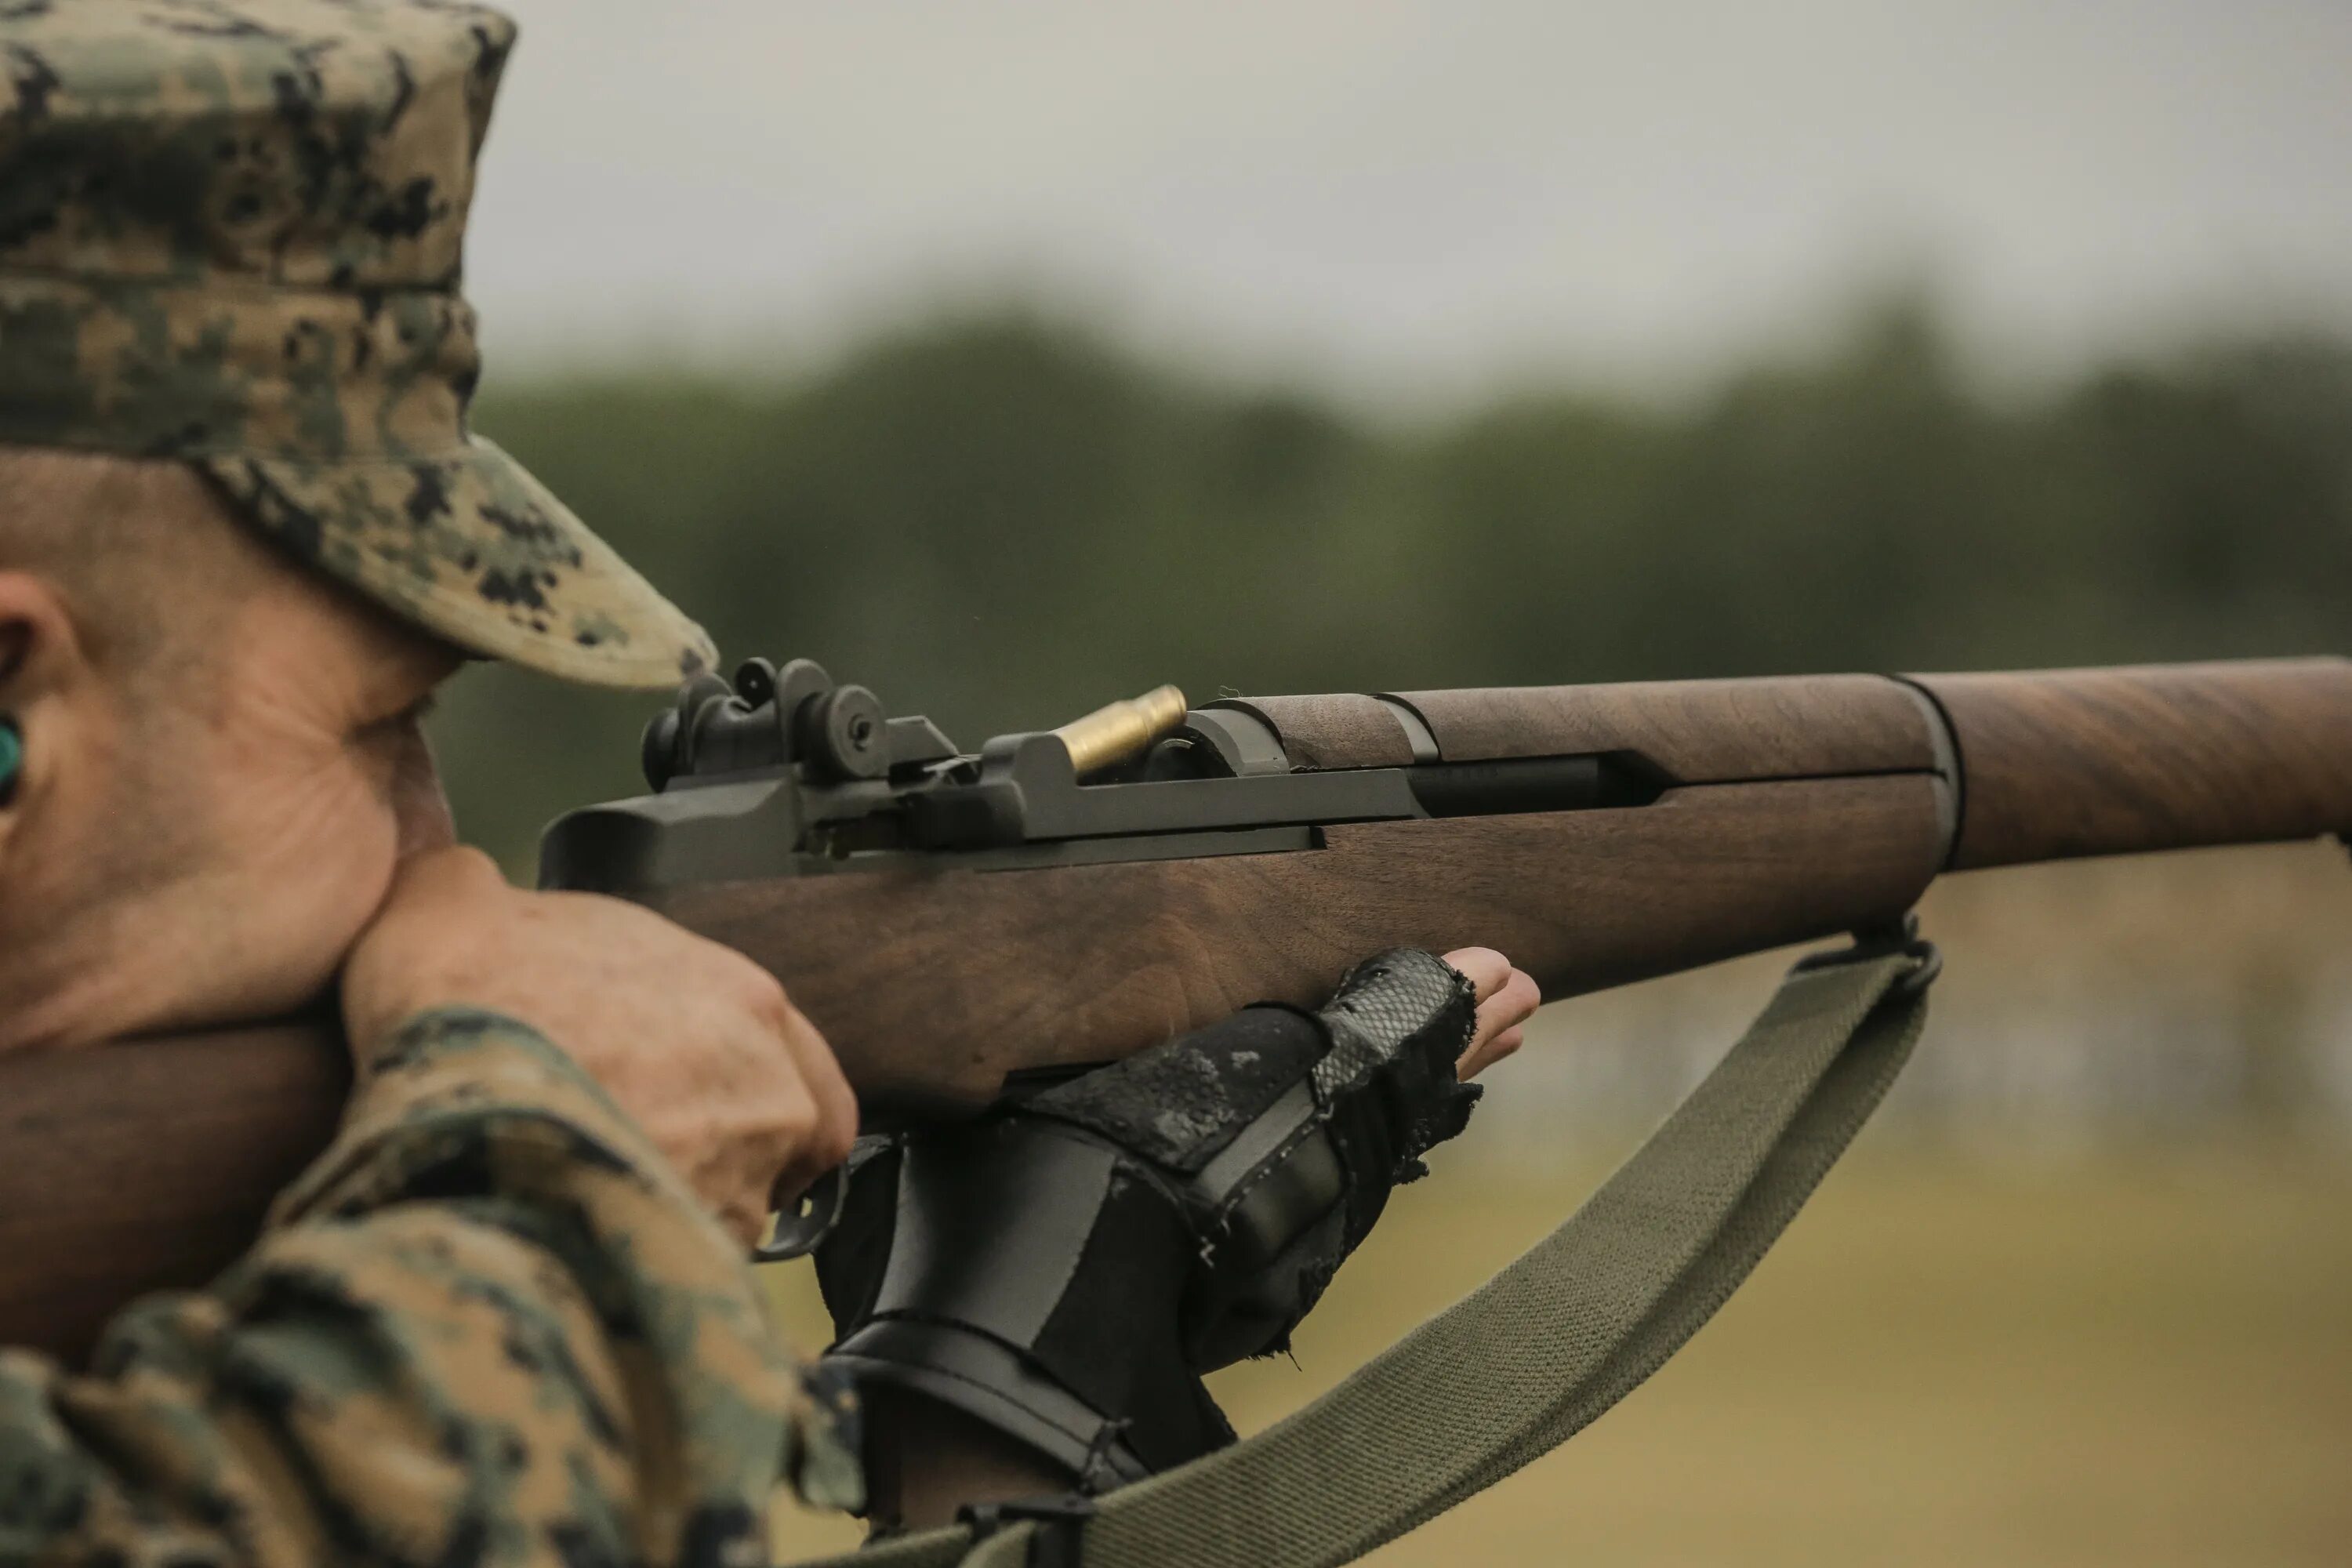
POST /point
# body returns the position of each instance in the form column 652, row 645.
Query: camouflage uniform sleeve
column 489, row 1326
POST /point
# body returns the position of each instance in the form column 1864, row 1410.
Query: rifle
column 958, row 923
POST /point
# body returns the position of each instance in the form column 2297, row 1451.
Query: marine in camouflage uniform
column 491, row 1325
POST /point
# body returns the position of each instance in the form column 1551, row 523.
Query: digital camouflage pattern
column 230, row 232
column 490, row 1326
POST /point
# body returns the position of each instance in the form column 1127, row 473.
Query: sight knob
column 848, row 734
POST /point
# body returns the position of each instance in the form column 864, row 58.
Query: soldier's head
column 244, row 529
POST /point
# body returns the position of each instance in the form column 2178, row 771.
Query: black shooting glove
column 1066, row 1269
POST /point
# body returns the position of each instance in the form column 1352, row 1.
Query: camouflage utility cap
column 230, row 232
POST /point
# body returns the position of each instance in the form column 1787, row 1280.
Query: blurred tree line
column 1003, row 521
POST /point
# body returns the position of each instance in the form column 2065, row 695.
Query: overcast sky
column 1414, row 199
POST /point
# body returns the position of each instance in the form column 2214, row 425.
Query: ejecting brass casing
column 1115, row 733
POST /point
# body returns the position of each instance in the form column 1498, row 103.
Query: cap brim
column 467, row 544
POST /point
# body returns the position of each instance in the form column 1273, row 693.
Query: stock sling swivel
column 1538, row 1352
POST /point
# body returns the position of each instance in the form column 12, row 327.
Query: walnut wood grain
column 147, row 1165
column 1696, row 732
column 931, row 982
column 2060, row 763
column 1341, row 730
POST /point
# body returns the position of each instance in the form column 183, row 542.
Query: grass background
column 2139, row 1359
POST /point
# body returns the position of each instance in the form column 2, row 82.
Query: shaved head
column 147, row 555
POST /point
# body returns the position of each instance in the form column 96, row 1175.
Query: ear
column 44, row 676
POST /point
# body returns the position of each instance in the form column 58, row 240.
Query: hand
column 694, row 1041
column 1505, row 997
column 1202, row 1202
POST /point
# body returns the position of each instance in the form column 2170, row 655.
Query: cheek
column 314, row 858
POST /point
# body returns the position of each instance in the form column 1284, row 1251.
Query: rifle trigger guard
column 1881, row 942
column 801, row 1233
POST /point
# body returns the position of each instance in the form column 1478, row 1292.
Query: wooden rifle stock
column 1768, row 812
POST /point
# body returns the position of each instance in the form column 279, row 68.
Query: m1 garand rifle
column 959, row 922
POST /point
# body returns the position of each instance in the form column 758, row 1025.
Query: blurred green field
column 2146, row 1358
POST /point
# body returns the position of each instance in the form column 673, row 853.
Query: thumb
column 432, row 894
column 455, row 873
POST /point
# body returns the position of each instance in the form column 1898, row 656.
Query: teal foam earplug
column 12, row 757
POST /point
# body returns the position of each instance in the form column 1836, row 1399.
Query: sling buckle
column 1060, row 1521
column 1884, row 941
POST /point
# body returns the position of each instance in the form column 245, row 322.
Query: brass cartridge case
column 1118, row 731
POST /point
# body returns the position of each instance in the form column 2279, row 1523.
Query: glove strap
column 1539, row 1351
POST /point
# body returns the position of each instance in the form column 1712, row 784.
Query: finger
column 1483, row 967
column 1513, row 1004
column 1479, row 1057
column 747, row 1222
column 1510, row 1005
column 821, row 1076
column 728, row 1175
column 836, row 1102
column 801, row 1173
column 802, row 1165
